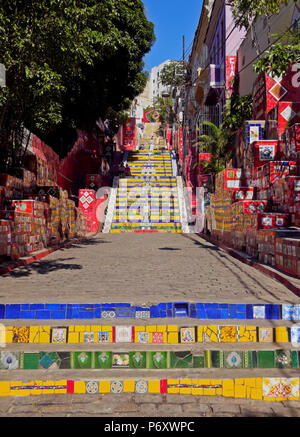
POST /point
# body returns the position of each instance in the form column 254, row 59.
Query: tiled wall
column 149, row 334
column 272, row 389
column 126, row 310
column 108, row 333
column 159, row 360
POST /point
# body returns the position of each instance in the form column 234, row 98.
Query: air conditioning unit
column 216, row 76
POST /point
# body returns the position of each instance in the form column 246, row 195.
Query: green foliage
column 116, row 119
column 67, row 62
column 172, row 74
column 280, row 56
column 217, row 144
column 237, row 110
column 245, row 11
column 164, row 105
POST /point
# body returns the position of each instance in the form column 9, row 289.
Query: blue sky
column 172, row 19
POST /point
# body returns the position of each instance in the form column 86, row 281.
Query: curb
column 250, row 262
column 41, row 255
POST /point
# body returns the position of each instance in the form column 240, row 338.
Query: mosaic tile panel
column 81, row 360
column 157, row 360
column 102, row 360
column 262, row 388
column 120, row 360
column 232, row 359
column 126, row 310
column 9, row 360
column 281, row 388
column 265, row 335
column 138, row 360
column 171, row 334
column 187, row 335
column 180, row 360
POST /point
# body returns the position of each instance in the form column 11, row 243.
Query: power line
column 270, row 45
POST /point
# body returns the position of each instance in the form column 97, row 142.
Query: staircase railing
column 111, row 206
column 182, row 207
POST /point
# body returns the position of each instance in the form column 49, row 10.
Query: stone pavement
column 142, row 269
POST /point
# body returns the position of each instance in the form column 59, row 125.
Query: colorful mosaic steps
column 154, row 334
column 148, row 199
column 269, row 359
column 266, row 388
column 223, row 311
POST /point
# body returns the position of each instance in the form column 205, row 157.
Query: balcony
column 217, row 79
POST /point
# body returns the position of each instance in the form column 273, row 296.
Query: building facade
column 156, row 87
column 258, row 40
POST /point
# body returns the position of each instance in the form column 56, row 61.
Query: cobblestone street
column 143, row 269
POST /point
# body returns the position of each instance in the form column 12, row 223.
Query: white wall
column 156, row 88
column 248, row 51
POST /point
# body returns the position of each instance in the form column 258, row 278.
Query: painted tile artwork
column 123, row 334
column 88, row 337
column 59, row 335
column 151, row 360
column 103, row 360
column 233, row 360
column 281, row 388
column 92, row 387
column 9, row 360
column 21, row 335
column 157, row 337
column 143, row 337
column 103, row 337
column 295, row 335
column 116, row 387
column 120, row 360
column 258, row 311
column 266, row 335
column 171, row 334
column 183, row 358
column 228, row 334
column 187, row 335
column 141, row 387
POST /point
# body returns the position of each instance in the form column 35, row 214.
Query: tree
column 217, row 144
column 173, row 74
column 164, row 106
column 237, row 110
column 278, row 59
column 286, row 49
column 67, row 62
column 245, row 11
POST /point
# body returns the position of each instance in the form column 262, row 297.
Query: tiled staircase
column 147, row 200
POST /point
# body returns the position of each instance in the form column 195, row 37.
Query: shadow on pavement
column 203, row 246
column 88, row 242
column 168, row 248
column 43, row 268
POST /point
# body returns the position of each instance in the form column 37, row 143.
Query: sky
column 172, row 19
